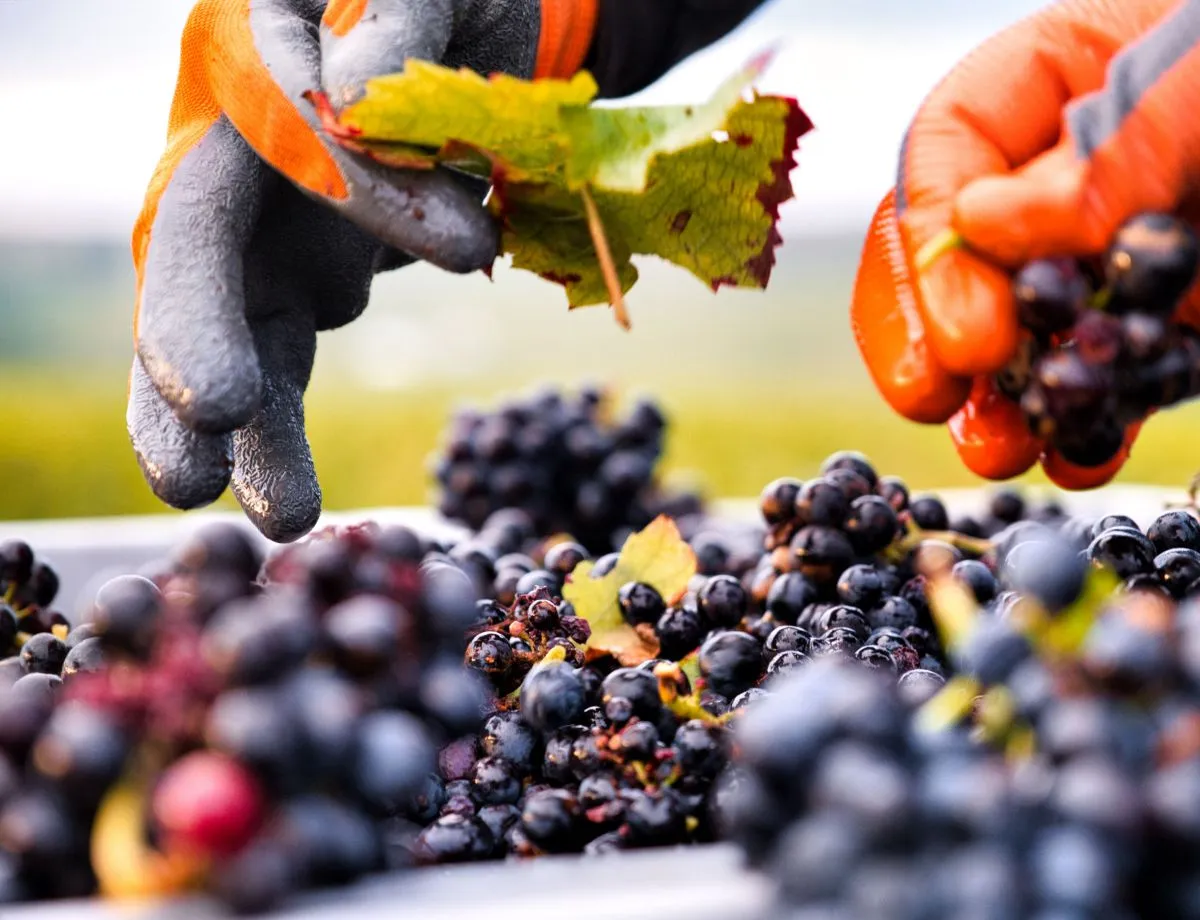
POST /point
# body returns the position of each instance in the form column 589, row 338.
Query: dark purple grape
column 539, row 578
column 730, row 662
column 393, row 753
column 852, row 484
column 1146, row 337
column 640, row 603
column 563, row 557
column 125, row 614
column 785, row 662
column 871, row 524
column 875, row 658
column 1088, row 442
column 43, row 654
column 894, row 612
column 822, row 553
column 978, row 578
column 1051, row 571
column 639, row 688
column 894, row 491
column 1174, row 530
column 1007, row 506
column 16, row 562
column 821, row 501
column 1050, row 295
column 855, row 462
column 722, row 601
column 1178, row 569
column 929, row 513
column 679, row 631
column 553, row 696
column 842, row 616
column 712, row 555
column 552, row 819
column 777, row 503
column 8, row 627
column 84, row 658
column 790, row 594
column 490, row 653
column 495, row 781
column 861, row 586
column 454, row 838
column 1127, row 552
column 1150, row 264
column 786, row 639
column 918, row 686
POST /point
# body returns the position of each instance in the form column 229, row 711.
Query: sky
column 85, row 86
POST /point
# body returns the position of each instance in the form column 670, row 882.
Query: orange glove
column 1042, row 142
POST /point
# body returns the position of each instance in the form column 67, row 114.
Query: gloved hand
column 1041, row 142
column 257, row 231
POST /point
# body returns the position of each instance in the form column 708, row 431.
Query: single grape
column 777, row 503
column 1050, row 295
column 640, row 603
column 861, row 586
column 730, row 662
column 1150, row 263
column 790, row 594
column 821, row 502
column 1174, row 530
column 125, row 614
column 679, row 632
column 855, row 462
column 43, row 654
column 553, row 696
column 722, row 601
column 929, row 513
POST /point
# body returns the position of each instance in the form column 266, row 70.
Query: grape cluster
column 275, row 722
column 373, row 699
column 563, row 460
column 1056, row 775
column 1100, row 351
column 28, row 587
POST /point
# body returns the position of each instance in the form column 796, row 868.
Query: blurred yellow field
column 65, row 452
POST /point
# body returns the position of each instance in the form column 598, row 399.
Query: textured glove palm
column 257, row 232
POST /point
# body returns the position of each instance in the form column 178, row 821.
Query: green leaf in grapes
column 581, row 188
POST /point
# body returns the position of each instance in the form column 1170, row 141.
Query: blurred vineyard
column 756, row 384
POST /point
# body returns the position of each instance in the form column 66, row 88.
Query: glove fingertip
column 285, row 520
column 991, row 436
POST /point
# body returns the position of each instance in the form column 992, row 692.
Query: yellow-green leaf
column 698, row 185
column 657, row 556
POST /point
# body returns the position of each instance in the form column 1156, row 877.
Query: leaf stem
column 608, row 267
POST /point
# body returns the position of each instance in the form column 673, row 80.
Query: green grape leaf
column 580, row 188
column 657, row 556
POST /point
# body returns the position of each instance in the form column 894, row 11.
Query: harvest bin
column 698, row 882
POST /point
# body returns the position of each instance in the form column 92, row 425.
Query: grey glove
column 258, row 232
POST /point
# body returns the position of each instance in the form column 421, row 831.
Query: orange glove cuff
column 567, row 30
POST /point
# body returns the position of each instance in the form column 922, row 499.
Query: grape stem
column 914, row 534
column 940, row 244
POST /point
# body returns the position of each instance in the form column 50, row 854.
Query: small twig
column 608, row 267
column 914, row 535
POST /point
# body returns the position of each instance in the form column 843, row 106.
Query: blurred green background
column 757, row 384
